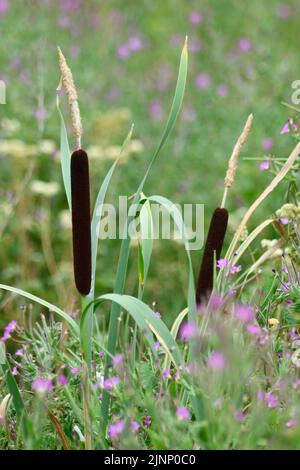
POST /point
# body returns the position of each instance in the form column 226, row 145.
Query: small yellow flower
column 273, row 322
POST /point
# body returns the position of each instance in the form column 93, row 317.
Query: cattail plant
column 81, row 222
column 218, row 224
column 80, row 189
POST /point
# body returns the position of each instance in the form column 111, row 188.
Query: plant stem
column 86, row 410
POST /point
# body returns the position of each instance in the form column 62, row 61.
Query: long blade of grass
column 243, row 247
column 65, row 155
column 177, row 217
column 145, row 318
column 284, row 170
column 125, row 246
column 11, row 383
column 46, row 304
column 97, row 213
column 147, row 237
column 174, row 332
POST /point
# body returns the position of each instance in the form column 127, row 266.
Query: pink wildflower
column 183, row 413
column 216, row 361
column 267, row 143
column 245, row 313
column 134, row 426
column 41, row 386
column 187, row 331
column 9, row 329
column 203, row 81
column 118, row 359
column 196, row 18
column 264, row 165
column 235, row 269
column 116, row 429
column 62, row 380
column 222, row 263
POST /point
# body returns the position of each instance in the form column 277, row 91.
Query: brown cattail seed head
column 81, row 223
column 212, row 251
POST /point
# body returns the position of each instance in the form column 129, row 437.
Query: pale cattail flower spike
column 233, row 161
column 70, row 89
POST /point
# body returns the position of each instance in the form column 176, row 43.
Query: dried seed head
column 4, row 407
column 70, row 89
column 233, row 161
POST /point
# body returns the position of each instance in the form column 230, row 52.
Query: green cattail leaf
column 141, row 265
column 97, row 213
column 146, row 224
column 46, row 304
column 11, row 383
column 177, row 217
column 147, row 322
column 125, row 246
column 65, row 156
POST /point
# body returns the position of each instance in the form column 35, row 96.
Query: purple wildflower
column 232, row 292
column 291, row 423
column 74, row 370
column 134, row 426
column 244, row 45
column 203, row 81
column 9, row 329
column 157, row 344
column 187, row 331
column 15, row 370
column 118, row 359
column 4, row 7
column 196, row 18
column 123, row 52
column 183, row 413
column 62, row 380
column 267, row 143
column 116, row 429
column 271, row 400
column 19, row 352
column 245, row 313
column 215, row 301
column 284, row 220
column 222, row 263
column 135, row 44
column 286, row 128
column 167, row 373
column 147, row 421
column 157, row 314
column 254, row 330
column 264, row 165
column 41, row 386
column 109, row 384
column 216, row 361
column 235, row 269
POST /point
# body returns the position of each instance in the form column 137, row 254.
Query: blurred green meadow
column 243, row 57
